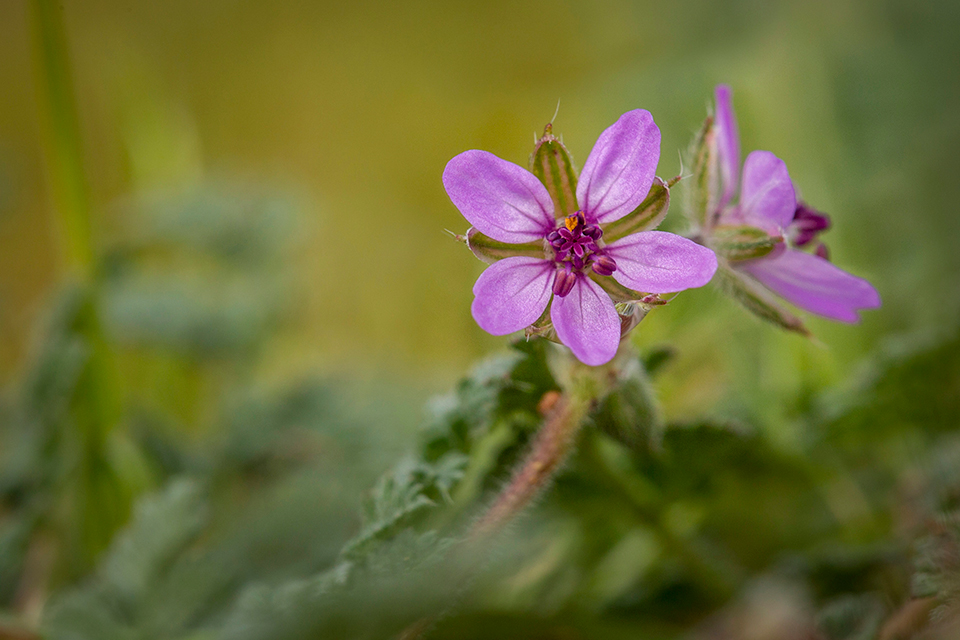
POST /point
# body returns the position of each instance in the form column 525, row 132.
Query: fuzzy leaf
column 162, row 526
column 402, row 495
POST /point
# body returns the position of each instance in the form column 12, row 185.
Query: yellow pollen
column 571, row 223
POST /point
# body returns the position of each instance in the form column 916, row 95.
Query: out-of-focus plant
column 544, row 497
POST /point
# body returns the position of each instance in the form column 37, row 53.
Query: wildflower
column 567, row 260
column 768, row 202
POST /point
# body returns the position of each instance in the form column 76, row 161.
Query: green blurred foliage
column 190, row 445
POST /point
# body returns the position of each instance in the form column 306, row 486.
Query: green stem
column 585, row 387
column 95, row 495
column 64, row 150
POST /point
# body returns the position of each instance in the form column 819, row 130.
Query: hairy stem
column 550, row 448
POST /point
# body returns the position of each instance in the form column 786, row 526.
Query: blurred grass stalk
column 93, row 498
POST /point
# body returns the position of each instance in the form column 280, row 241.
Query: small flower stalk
column 573, row 256
column 766, row 238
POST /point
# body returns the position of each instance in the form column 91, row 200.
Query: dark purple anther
column 604, row 265
column 807, row 223
column 563, row 283
column 822, row 251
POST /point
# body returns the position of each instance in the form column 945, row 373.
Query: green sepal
column 631, row 314
column 553, row 166
column 757, row 299
column 648, row 215
column 489, row 250
column 742, row 242
column 703, row 196
column 543, row 327
column 616, row 291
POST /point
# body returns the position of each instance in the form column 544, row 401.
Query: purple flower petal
column 661, row 262
column 767, row 196
column 501, row 199
column 728, row 142
column 620, row 169
column 814, row 284
column 512, row 293
column 587, row 322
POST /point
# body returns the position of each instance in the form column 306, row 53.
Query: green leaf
column 656, row 358
column 742, row 242
column 14, row 538
column 630, row 413
column 163, row 525
column 552, row 164
column 648, row 215
column 402, row 495
column 757, row 299
column 852, row 617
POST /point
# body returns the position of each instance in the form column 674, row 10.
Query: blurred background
column 222, row 245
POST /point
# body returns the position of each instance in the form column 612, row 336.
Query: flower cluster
column 574, row 256
column 571, row 257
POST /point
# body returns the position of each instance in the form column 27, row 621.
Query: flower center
column 807, row 224
column 575, row 248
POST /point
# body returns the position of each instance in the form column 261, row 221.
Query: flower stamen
column 575, row 248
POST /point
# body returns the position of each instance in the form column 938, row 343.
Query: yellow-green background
column 356, row 107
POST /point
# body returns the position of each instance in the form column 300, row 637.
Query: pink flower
column 768, row 201
column 509, row 204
